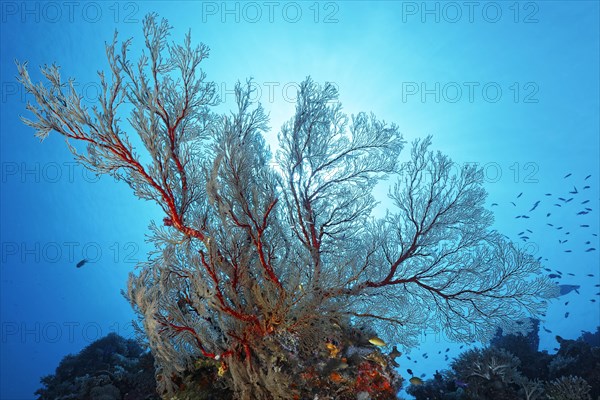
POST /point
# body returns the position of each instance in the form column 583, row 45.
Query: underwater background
column 512, row 86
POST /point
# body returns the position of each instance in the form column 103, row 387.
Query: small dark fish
column 537, row 203
column 549, row 214
column 546, row 329
column 548, row 194
column 550, row 224
column 586, row 187
column 409, row 371
column 552, row 276
column 562, row 198
column 588, row 242
column 513, row 203
column 524, row 216
column 461, row 346
column 590, row 275
column 585, row 202
column 559, row 228
column 529, row 230
column 590, row 249
column 582, row 212
column 565, row 289
column 574, row 191
column 423, row 375
column 567, row 314
column 588, row 209
column 567, row 175
column 408, row 358
column 584, row 226
column 494, row 204
column 586, row 178
column 557, row 205
column 568, row 251
column 520, row 194
column 566, row 303
column 593, row 300
column 81, row 263
column 569, row 199
column 548, row 269
column 568, row 273
column 448, row 349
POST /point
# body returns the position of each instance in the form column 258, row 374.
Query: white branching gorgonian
column 251, row 257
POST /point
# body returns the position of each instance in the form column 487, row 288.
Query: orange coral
column 336, row 377
column 372, row 380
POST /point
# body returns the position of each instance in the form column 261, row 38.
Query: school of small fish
column 571, row 205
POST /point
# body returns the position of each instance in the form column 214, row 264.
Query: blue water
column 510, row 85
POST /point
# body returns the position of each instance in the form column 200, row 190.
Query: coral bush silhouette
column 491, row 373
column 568, row 388
column 504, row 371
column 260, row 260
column 110, row 368
column 534, row 364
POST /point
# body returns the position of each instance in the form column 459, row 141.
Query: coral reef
column 580, row 357
column 568, row 388
column 490, row 373
column 346, row 367
column 534, row 364
column 110, row 368
column 513, row 368
column 531, row 389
